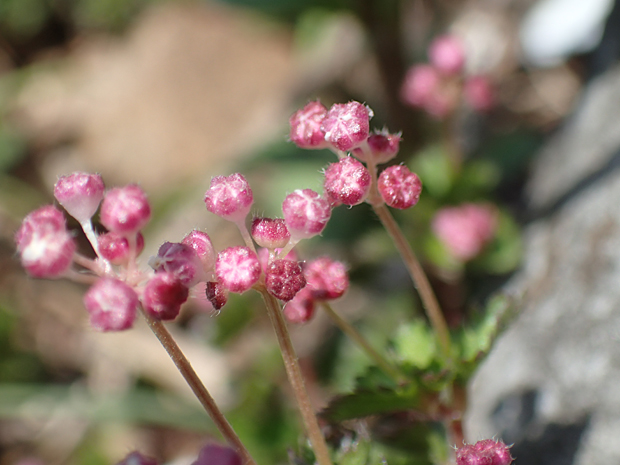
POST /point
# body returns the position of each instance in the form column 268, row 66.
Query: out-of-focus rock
column 551, row 383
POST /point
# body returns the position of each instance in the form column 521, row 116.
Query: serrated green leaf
column 416, row 344
column 478, row 338
column 365, row 402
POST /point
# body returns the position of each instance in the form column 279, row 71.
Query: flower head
column 229, row 197
column 125, row 210
column 80, row 194
column 44, row 244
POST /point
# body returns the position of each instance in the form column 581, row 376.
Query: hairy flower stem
column 199, row 389
column 296, row 379
column 429, row 301
column 352, row 333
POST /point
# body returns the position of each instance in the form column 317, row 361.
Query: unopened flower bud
column 125, row 210
column 382, row 147
column 479, row 93
column 347, row 125
column 399, row 187
column 216, row 294
column 306, row 213
column 181, row 260
column 306, row 131
column 347, row 181
column 447, row 54
column 237, row 268
column 284, row 278
column 44, row 244
column 270, row 233
column 111, row 304
column 214, row 454
column 301, row 308
column 327, row 279
column 201, row 243
column 80, row 194
column 163, row 296
column 485, row 452
column 229, row 197
column 115, row 248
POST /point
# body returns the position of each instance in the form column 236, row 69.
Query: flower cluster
column 485, row 452
column 439, row 86
column 465, row 229
column 120, row 288
column 346, row 128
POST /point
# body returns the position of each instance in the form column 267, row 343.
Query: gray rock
column 551, row 385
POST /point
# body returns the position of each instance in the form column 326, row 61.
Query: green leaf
column 416, row 344
column 477, row 339
column 365, row 402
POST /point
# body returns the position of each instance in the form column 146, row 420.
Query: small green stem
column 296, row 379
column 199, row 389
column 352, row 333
column 420, row 281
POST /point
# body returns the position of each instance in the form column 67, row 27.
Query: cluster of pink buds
column 326, row 280
column 240, row 268
column 465, row 229
column 346, row 128
column 119, row 288
column 485, row 452
column 439, row 86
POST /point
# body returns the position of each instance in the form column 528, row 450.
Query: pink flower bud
column 237, row 268
column 216, row 294
column 229, row 197
column 115, row 248
column 125, row 210
column 383, row 147
column 421, row 82
column 347, row 125
column 45, row 246
column 306, row 213
column 163, row 296
column 136, row 458
column 80, row 194
column 447, row 54
column 347, row 181
column 327, row 279
column 112, row 305
column 284, row 278
column 270, row 233
column 479, row 93
column 306, row 131
column 180, row 260
column 201, row 243
column 485, row 452
column 301, row 308
column 214, row 454
column 399, row 187
column 465, row 229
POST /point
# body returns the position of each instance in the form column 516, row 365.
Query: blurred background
column 169, row 93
